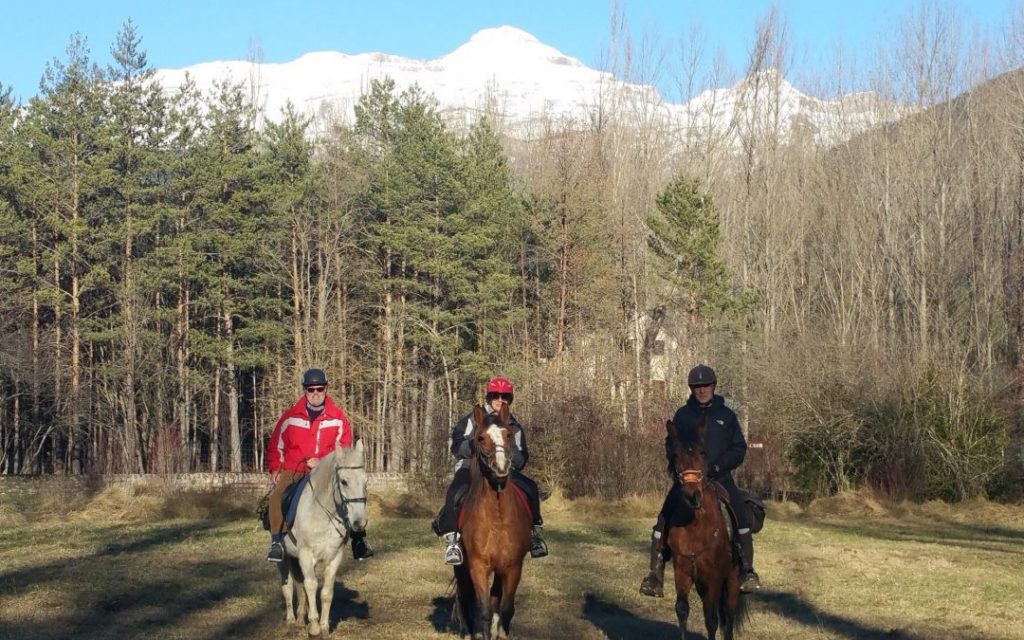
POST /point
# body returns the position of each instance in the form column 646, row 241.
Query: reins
column 333, row 515
column 691, row 476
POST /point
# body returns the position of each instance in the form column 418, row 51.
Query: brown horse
column 495, row 525
column 702, row 554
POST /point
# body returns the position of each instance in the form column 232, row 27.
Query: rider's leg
column 538, row 548
column 447, row 522
column 653, row 583
column 749, row 580
column 285, row 479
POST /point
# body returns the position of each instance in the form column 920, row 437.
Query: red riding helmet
column 499, row 384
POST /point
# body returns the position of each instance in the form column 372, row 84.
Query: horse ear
column 478, row 416
column 670, row 429
column 701, row 426
column 359, row 445
column 504, row 413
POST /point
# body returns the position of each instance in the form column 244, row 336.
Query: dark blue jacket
column 724, row 444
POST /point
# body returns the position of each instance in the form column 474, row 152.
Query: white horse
column 332, row 506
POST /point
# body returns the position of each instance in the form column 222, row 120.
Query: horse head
column 349, row 479
column 688, row 460
column 491, row 439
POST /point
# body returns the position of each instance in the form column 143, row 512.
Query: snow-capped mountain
column 524, row 79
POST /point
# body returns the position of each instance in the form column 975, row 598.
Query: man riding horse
column 725, row 449
column 306, row 432
column 498, row 393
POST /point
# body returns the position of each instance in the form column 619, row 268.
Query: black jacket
column 460, row 446
column 724, row 445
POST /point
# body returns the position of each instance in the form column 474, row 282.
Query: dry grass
column 158, row 565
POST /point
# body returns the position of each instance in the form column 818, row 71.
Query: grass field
column 148, row 566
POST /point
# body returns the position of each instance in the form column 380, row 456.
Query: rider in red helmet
column 498, row 392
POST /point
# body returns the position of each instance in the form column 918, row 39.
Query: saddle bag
column 757, row 512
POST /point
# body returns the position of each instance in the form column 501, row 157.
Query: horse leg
column 309, row 583
column 730, row 603
column 479, row 573
column 507, row 608
column 710, row 597
column 683, row 584
column 327, row 591
column 287, row 590
column 495, row 601
column 295, row 574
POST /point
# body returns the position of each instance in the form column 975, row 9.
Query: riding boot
column 538, row 548
column 653, row 584
column 452, row 550
column 360, row 550
column 749, row 581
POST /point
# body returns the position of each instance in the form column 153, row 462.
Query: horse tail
column 740, row 614
column 465, row 599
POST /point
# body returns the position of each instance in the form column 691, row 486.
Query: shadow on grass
column 345, row 606
column 945, row 532
column 442, row 618
column 797, row 609
column 618, row 623
column 13, row 581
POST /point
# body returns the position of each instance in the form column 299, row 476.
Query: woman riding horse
column 499, row 395
column 496, row 532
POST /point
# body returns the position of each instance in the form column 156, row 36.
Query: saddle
column 519, row 492
column 753, row 504
column 289, row 504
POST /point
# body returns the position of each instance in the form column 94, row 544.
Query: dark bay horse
column 702, row 553
column 495, row 524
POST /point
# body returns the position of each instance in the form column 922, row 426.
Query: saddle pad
column 522, row 498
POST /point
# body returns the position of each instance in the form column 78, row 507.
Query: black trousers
column 448, row 519
column 677, row 512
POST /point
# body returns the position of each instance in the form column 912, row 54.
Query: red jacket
column 297, row 439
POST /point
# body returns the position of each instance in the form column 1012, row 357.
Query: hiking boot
column 653, row 584
column 276, row 553
column 361, row 550
column 453, row 550
column 538, row 548
column 749, row 582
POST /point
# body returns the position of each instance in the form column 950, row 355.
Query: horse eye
column 344, row 483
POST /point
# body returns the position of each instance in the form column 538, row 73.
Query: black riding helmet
column 314, row 377
column 700, row 375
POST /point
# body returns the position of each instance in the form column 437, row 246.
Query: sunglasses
column 507, row 397
column 315, row 389
column 701, row 386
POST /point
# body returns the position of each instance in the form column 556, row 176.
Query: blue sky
column 183, row 32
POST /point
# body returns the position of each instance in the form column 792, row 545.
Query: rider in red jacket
column 309, row 430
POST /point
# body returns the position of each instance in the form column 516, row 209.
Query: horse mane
column 323, row 491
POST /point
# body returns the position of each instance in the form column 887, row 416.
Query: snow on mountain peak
column 503, row 67
column 507, row 44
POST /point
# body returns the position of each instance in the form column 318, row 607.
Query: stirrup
column 276, row 553
column 750, row 582
column 453, row 552
column 652, row 586
column 361, row 550
column 538, row 548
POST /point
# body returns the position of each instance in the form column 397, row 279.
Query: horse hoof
column 313, row 631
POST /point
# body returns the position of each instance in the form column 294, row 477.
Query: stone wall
column 256, row 482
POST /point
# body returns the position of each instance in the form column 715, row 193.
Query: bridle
column 340, row 501
column 696, row 476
